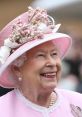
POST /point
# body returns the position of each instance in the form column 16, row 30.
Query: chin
column 49, row 87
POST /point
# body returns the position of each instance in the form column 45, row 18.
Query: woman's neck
column 43, row 99
column 47, row 100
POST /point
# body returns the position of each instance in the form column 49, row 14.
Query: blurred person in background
column 31, row 53
column 75, row 61
column 74, row 65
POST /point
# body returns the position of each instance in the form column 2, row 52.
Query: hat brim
column 63, row 41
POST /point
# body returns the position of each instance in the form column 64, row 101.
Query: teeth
column 49, row 75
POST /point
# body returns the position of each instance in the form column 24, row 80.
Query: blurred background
column 69, row 14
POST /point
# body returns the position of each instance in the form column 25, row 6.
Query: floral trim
column 38, row 23
column 76, row 110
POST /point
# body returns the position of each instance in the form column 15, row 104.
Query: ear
column 16, row 71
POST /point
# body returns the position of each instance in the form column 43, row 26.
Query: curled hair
column 20, row 61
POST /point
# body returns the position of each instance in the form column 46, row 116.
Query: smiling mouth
column 48, row 75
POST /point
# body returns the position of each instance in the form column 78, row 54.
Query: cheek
column 59, row 69
column 32, row 67
column 59, row 66
column 36, row 64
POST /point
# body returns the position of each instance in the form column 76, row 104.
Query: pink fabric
column 63, row 41
column 6, row 31
column 12, row 105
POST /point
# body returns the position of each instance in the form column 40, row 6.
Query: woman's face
column 42, row 68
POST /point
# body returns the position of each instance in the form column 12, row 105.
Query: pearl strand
column 53, row 99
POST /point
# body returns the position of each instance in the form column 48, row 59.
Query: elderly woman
column 30, row 62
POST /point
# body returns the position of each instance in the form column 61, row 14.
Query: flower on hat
column 38, row 23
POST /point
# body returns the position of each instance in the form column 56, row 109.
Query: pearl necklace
column 53, row 99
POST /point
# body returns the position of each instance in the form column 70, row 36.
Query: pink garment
column 13, row 104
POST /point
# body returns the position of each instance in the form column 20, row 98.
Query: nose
column 51, row 62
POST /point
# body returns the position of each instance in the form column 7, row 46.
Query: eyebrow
column 55, row 49
column 41, row 50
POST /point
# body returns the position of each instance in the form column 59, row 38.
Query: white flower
column 4, row 53
column 56, row 28
column 42, row 27
column 9, row 43
column 38, row 24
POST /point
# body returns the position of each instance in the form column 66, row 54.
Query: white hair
column 20, row 61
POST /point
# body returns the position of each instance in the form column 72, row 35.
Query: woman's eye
column 55, row 54
column 41, row 55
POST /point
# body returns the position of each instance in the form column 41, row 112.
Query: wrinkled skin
column 41, row 72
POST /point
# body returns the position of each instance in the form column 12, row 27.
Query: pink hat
column 28, row 30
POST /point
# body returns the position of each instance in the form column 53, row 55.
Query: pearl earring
column 20, row 79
